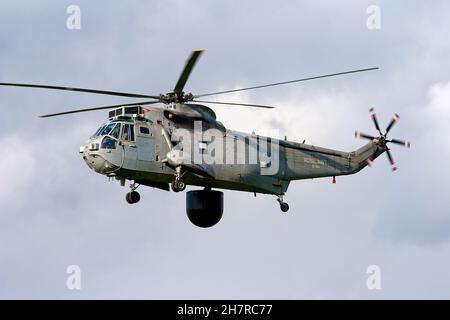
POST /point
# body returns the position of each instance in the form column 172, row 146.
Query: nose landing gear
column 133, row 196
column 178, row 184
column 283, row 205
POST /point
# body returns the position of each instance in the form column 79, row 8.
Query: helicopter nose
column 92, row 157
column 97, row 159
column 94, row 161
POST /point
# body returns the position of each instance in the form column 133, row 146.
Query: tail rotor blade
column 394, row 119
column 404, row 143
column 391, row 160
column 374, row 118
column 360, row 135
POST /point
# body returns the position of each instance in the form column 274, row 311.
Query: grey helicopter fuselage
column 133, row 145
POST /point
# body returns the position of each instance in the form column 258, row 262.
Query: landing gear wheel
column 284, row 207
column 178, row 185
column 133, row 197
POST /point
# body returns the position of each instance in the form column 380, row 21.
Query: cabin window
column 144, row 130
column 131, row 132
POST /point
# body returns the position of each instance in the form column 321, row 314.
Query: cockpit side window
column 125, row 132
column 108, row 143
column 116, row 131
column 128, row 132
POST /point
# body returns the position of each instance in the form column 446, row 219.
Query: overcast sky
column 56, row 212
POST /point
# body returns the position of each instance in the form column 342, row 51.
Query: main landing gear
column 283, row 205
column 178, row 184
column 133, row 196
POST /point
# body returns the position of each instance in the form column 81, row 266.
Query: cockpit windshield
column 97, row 132
column 106, row 129
column 116, row 131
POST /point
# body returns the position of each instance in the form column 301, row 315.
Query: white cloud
column 439, row 104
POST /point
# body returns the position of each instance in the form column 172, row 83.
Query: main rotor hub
column 176, row 97
column 382, row 141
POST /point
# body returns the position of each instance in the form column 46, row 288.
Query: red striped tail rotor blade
column 371, row 159
column 394, row 119
column 391, row 160
column 374, row 118
column 404, row 143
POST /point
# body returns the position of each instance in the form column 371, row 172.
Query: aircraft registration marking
column 315, row 163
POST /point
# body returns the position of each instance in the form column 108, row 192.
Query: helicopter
column 182, row 143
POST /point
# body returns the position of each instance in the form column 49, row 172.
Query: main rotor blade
column 98, row 108
column 287, row 82
column 394, row 119
column 236, row 104
column 404, row 143
column 110, row 93
column 375, row 121
column 187, row 70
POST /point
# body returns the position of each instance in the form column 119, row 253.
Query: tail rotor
column 382, row 140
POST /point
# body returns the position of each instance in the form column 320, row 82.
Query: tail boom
column 311, row 162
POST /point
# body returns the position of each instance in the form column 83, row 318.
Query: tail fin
column 364, row 156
